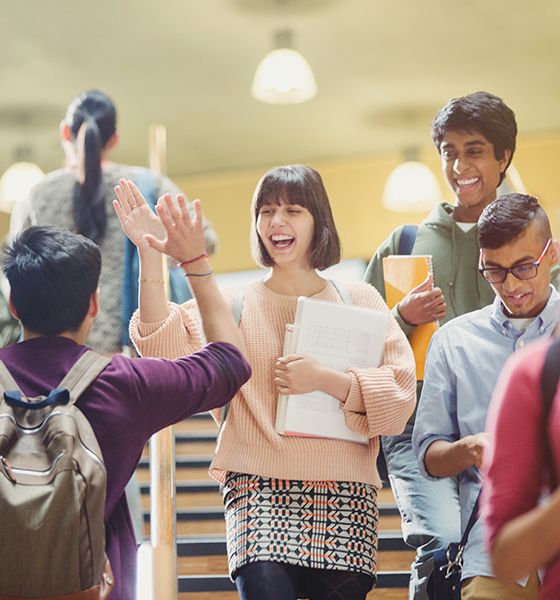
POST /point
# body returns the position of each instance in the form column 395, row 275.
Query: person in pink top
column 301, row 512
column 523, row 530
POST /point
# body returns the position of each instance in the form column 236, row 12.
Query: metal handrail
column 163, row 522
column 163, row 515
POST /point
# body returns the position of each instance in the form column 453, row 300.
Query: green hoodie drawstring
column 454, row 271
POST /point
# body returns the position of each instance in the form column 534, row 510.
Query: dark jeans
column 280, row 581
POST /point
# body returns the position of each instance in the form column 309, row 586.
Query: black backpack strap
column 83, row 372
column 549, row 382
column 408, row 237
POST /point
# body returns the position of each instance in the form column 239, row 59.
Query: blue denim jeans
column 430, row 510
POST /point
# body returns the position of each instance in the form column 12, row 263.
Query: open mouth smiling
column 463, row 183
column 282, row 240
column 517, row 298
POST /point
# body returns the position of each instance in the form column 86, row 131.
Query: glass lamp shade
column 284, row 77
column 17, row 182
column 411, row 187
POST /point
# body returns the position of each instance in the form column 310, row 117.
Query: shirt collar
column 546, row 321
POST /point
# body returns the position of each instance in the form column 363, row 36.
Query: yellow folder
column 403, row 273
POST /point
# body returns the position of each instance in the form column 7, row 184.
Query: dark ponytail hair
column 92, row 119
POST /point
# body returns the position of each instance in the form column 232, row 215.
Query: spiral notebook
column 402, row 273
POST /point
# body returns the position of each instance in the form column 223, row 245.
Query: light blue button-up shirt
column 463, row 363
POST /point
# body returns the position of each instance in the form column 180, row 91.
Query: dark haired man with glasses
column 465, row 358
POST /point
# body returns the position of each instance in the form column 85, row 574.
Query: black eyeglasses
column 523, row 271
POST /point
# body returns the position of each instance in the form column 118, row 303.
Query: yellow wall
column 355, row 187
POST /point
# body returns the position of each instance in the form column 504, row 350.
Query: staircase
column 201, row 533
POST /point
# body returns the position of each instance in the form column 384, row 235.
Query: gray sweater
column 50, row 203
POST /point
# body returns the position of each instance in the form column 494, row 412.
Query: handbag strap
column 472, row 520
column 549, row 382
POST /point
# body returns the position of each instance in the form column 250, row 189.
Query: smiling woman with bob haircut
column 325, row 489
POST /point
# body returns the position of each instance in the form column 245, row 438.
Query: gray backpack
column 52, row 488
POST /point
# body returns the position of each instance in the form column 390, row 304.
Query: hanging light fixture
column 17, row 182
column 284, row 76
column 411, row 187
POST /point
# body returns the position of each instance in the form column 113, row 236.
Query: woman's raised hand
column 136, row 216
column 184, row 237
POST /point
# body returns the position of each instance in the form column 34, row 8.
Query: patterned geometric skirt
column 321, row 525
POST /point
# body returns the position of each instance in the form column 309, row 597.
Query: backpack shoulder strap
column 83, row 372
column 549, row 382
column 7, row 382
column 238, row 303
column 237, row 310
column 76, row 381
column 408, row 237
column 342, row 291
column 550, row 375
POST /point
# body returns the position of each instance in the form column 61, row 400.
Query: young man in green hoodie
column 475, row 136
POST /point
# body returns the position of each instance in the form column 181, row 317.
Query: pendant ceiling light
column 17, row 182
column 411, row 187
column 284, row 76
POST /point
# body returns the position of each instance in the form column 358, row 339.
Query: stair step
column 217, row 564
column 197, row 435
column 201, row 545
column 195, row 486
column 216, row 546
column 375, row 594
column 196, row 461
column 205, row 513
column 222, row 583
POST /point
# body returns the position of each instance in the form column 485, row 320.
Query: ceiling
column 383, row 67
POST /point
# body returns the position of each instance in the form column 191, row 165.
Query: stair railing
column 163, row 521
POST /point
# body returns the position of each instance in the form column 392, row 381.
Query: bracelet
column 188, row 262
column 198, row 274
column 149, row 280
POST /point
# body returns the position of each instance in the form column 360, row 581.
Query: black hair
column 507, row 218
column 297, row 184
column 92, row 119
column 483, row 113
column 53, row 274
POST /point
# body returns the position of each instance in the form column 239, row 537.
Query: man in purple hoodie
column 53, row 276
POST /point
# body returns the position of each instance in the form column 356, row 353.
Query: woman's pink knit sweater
column 379, row 402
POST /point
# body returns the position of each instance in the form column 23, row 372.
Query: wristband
column 199, row 274
column 188, row 262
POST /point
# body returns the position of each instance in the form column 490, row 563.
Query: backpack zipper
column 8, row 469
